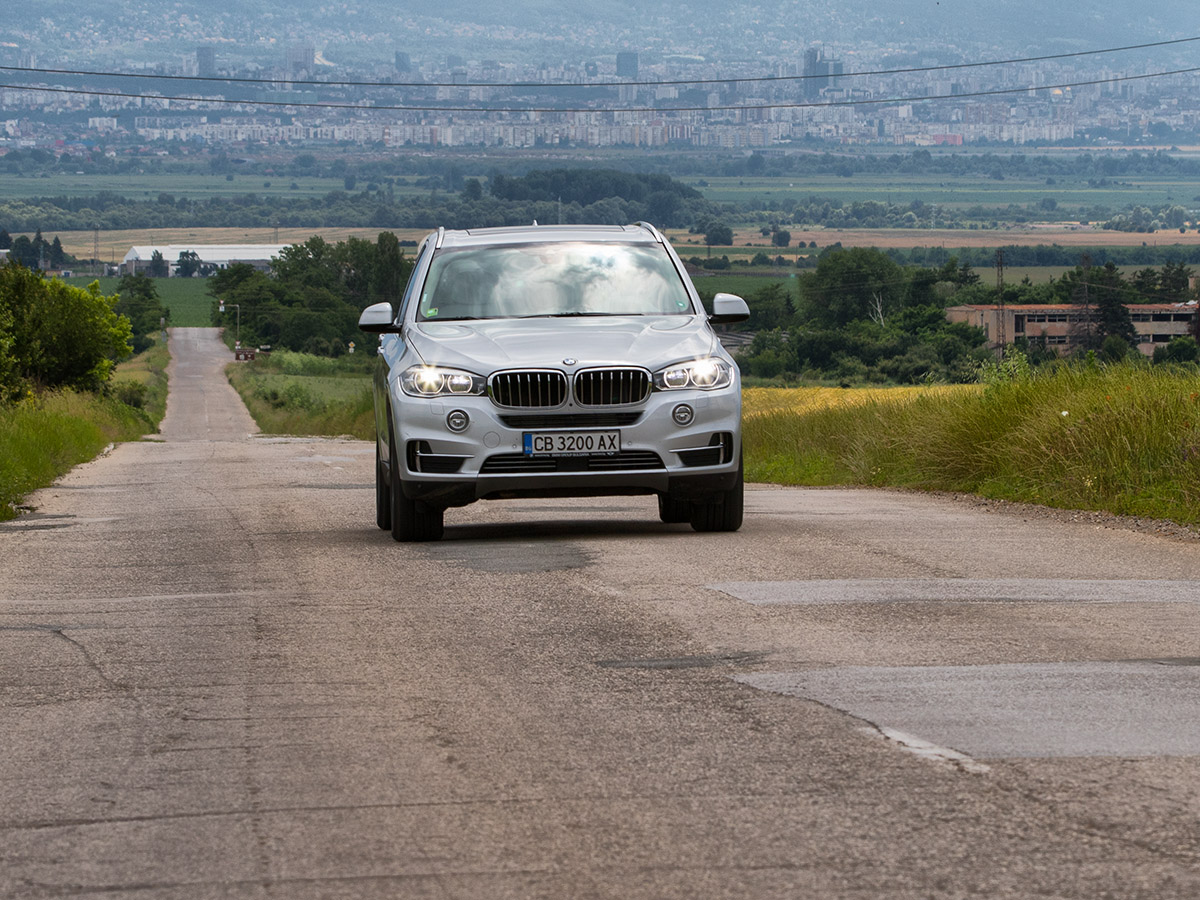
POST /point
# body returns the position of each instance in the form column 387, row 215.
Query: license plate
column 572, row 443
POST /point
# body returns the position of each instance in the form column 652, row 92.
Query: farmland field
column 187, row 298
column 191, row 186
column 1072, row 193
column 885, row 238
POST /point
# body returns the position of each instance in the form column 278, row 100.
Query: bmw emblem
column 569, row 362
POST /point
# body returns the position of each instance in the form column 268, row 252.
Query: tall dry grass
column 1124, row 439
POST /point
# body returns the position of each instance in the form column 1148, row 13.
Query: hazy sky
column 556, row 31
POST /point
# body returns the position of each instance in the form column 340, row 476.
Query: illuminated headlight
column 706, row 374
column 431, row 381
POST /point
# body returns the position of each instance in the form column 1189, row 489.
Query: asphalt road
column 218, row 679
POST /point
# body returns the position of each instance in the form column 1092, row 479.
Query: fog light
column 457, row 421
column 683, row 414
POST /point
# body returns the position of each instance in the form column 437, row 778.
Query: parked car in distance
column 554, row 361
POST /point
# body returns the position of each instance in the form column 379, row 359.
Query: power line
column 362, row 106
column 553, row 85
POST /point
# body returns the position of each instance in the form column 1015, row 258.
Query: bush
column 59, row 336
column 131, row 393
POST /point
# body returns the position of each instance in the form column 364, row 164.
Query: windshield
column 557, row 279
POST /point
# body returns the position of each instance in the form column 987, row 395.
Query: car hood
column 488, row 345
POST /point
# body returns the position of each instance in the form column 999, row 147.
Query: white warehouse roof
column 211, row 254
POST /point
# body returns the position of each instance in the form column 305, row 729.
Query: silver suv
column 553, row 361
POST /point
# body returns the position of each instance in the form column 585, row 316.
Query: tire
column 411, row 520
column 724, row 513
column 673, row 511
column 383, row 499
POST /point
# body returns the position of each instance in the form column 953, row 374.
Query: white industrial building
column 219, row 255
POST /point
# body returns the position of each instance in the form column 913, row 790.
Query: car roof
column 536, row 234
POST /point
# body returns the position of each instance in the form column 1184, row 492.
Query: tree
column 1179, row 350
column 188, row 263
column 1145, row 283
column 158, row 266
column 23, row 252
column 852, row 285
column 138, row 301
column 56, row 254
column 781, row 238
column 312, row 298
column 1084, row 332
column 10, row 378
column 1174, row 281
column 62, row 336
column 5, row 239
column 770, row 307
column 718, row 234
column 472, row 189
column 391, row 269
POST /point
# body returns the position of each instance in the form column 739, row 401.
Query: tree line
column 859, row 316
column 311, row 298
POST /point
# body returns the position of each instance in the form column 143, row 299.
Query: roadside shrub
column 131, row 393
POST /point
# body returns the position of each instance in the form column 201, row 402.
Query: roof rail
column 441, row 236
column 654, row 231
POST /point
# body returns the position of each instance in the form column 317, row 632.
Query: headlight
column 706, row 374
column 431, row 381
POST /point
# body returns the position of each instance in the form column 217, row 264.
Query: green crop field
column 150, row 186
column 742, row 285
column 1072, row 194
column 186, row 298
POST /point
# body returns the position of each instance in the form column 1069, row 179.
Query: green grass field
column 741, row 285
column 186, row 298
column 1072, row 194
column 295, row 393
column 196, row 187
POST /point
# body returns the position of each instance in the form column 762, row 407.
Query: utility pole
column 1001, row 326
column 96, row 264
column 1082, row 328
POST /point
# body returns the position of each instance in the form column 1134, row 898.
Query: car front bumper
column 487, row 460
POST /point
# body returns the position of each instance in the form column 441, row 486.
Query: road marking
column 960, row 590
column 933, row 752
column 1130, row 708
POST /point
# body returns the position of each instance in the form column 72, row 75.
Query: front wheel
column 672, row 511
column 383, row 500
column 725, row 512
column 411, row 520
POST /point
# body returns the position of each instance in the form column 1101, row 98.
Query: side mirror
column 378, row 319
column 729, row 308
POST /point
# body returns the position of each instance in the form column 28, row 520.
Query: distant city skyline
column 810, row 89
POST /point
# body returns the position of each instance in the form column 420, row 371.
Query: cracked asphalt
column 218, row 679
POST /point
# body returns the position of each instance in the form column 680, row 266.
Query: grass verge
column 1122, row 439
column 44, row 436
column 295, row 393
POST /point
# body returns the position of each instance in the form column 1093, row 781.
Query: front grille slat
column 548, row 389
column 611, row 387
column 519, row 463
column 528, row 390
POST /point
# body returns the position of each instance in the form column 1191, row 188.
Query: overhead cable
column 482, row 108
column 589, row 84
